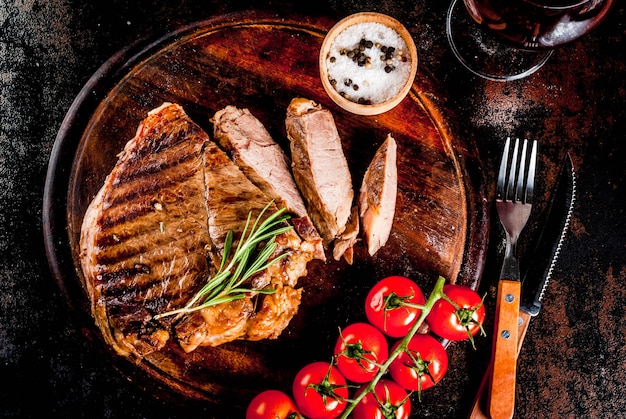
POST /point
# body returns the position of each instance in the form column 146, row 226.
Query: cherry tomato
column 320, row 391
column 390, row 305
column 272, row 404
column 457, row 322
column 422, row 365
column 388, row 400
column 359, row 350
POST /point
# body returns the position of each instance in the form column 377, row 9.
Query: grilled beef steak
column 320, row 167
column 153, row 235
column 263, row 161
column 377, row 196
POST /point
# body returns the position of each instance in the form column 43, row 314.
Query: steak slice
column 144, row 239
column 377, row 196
column 155, row 232
column 258, row 156
column 231, row 197
column 319, row 166
column 264, row 162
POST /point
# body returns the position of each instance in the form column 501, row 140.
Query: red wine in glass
column 510, row 39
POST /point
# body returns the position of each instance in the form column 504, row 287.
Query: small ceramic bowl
column 368, row 63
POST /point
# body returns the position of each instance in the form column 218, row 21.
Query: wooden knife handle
column 504, row 352
column 479, row 408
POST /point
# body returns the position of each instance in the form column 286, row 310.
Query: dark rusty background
column 572, row 363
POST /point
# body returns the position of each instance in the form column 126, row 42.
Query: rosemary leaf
column 228, row 242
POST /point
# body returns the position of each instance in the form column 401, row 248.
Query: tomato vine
column 415, row 362
column 435, row 295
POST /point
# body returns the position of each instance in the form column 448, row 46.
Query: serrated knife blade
column 543, row 261
column 550, row 240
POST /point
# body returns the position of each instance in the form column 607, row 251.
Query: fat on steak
column 319, row 167
column 377, row 196
column 264, row 162
column 154, row 234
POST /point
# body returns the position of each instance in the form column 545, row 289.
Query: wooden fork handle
column 504, row 353
column 479, row 409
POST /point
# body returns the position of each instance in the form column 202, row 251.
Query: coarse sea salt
column 378, row 80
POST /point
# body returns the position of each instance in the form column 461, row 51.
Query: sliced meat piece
column 260, row 158
column 264, row 162
column 319, row 166
column 144, row 239
column 231, row 196
column 377, row 196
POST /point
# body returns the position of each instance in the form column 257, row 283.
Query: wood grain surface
column 257, row 61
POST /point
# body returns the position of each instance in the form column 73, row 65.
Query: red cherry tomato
column 272, row 404
column 422, row 365
column 390, row 305
column 460, row 322
column 359, row 350
column 320, row 391
column 389, row 400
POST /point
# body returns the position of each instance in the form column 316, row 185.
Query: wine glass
column 506, row 40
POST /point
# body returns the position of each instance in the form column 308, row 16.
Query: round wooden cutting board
column 260, row 62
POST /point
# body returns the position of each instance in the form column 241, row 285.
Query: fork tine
column 510, row 191
column 530, row 185
column 520, row 192
column 502, row 172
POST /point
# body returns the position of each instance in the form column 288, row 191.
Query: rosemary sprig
column 256, row 244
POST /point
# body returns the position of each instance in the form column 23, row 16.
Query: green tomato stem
column 436, row 294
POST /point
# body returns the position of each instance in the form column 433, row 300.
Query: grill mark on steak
column 142, row 276
column 135, row 192
column 123, row 252
column 140, row 166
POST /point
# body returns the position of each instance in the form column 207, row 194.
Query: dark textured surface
column 572, row 363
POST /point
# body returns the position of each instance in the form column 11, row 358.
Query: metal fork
column 514, row 195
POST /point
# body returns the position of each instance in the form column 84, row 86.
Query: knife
column 545, row 256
